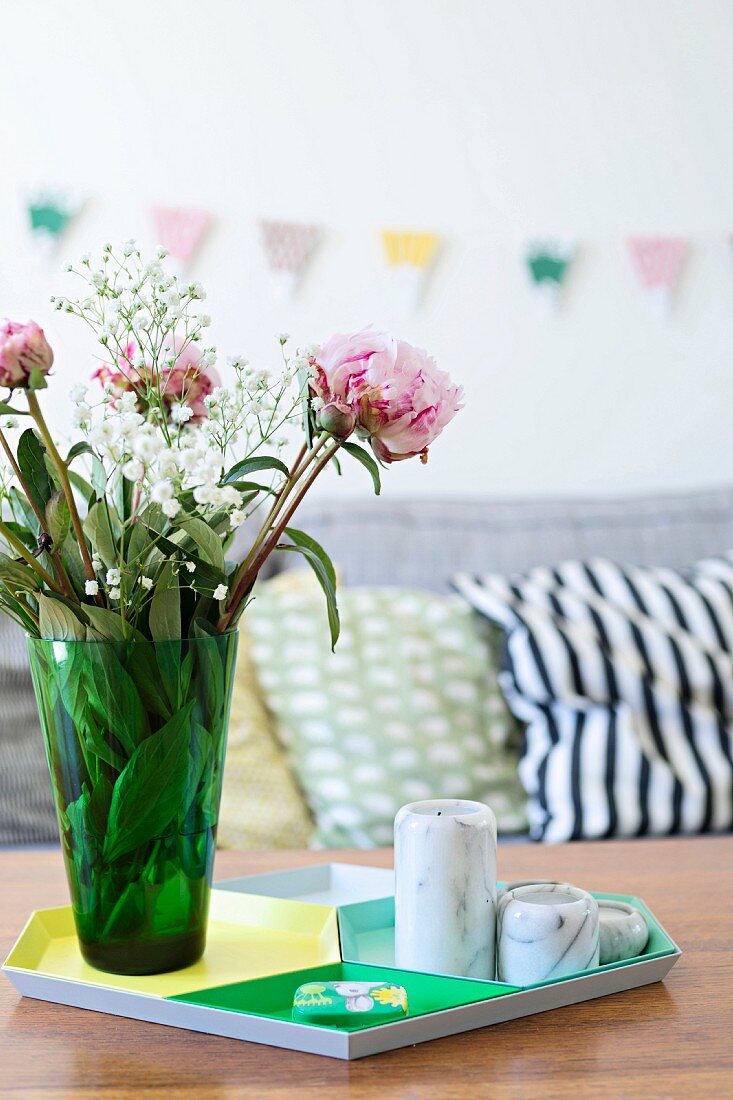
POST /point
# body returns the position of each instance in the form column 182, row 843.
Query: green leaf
column 57, row 621
column 99, row 477
column 81, row 448
column 323, row 568
column 207, row 541
column 249, row 465
column 148, row 793
column 8, row 410
column 205, row 578
column 165, row 607
column 109, row 624
column 58, row 519
column 102, row 528
column 20, row 506
column 200, row 763
column 363, row 456
column 17, row 575
column 74, row 566
column 113, row 695
column 83, row 487
column 31, row 459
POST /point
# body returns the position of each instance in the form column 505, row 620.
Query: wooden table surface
column 673, row 1039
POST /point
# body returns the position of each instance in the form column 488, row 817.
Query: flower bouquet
column 115, row 562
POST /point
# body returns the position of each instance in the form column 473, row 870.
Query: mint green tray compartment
column 272, row 997
column 366, row 931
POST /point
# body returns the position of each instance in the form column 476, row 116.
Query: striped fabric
column 624, row 677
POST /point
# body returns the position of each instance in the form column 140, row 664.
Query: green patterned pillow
column 403, row 710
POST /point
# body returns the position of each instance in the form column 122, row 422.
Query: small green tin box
column 337, row 1003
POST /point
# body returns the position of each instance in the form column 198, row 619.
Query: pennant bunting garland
column 657, row 264
column 409, row 258
column 180, row 231
column 49, row 213
column 548, row 262
column 288, row 246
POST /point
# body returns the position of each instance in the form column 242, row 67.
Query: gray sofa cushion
column 422, row 543
column 27, row 814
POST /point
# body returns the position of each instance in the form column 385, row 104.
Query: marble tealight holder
column 445, row 888
column 529, row 882
column 546, row 932
column 623, row 931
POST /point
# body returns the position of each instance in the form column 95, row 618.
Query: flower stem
column 24, row 553
column 60, row 467
column 303, row 460
column 249, row 576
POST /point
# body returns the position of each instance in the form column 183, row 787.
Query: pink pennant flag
column 180, row 230
column 658, row 263
column 288, row 247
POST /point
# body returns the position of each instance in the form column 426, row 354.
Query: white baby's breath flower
column 129, row 247
column 133, row 470
column 99, row 279
column 203, row 320
column 147, row 583
column 9, row 423
column 221, row 592
column 167, row 464
column 68, row 267
column 78, row 393
column 114, row 593
column 191, row 566
column 91, row 588
column 146, row 447
column 171, row 508
column 181, row 413
column 96, row 562
column 284, row 337
column 237, row 518
column 161, row 492
column 113, row 577
column 161, row 252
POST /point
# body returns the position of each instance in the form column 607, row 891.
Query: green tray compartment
column 366, row 932
column 273, row 997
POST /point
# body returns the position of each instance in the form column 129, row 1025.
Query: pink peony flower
column 23, row 349
column 400, row 399
column 187, row 382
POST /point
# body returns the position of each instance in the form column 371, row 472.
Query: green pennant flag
column 548, row 262
column 49, row 213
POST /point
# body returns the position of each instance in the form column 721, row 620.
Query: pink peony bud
column 400, row 399
column 23, row 351
column 337, row 419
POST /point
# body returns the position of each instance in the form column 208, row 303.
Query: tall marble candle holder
column 445, row 888
column 546, row 932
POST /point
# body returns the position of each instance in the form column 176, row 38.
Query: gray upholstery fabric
column 423, row 543
column 26, row 809
column 400, row 542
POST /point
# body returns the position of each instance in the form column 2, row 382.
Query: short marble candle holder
column 445, row 888
column 546, row 932
column 623, row 931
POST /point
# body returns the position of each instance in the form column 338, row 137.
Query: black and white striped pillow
column 624, row 676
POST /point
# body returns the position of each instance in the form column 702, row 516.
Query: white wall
column 489, row 120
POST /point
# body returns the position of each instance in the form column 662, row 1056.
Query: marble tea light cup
column 545, row 932
column 623, row 931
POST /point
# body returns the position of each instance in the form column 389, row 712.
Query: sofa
column 409, row 544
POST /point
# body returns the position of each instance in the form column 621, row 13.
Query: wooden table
column 674, row 1039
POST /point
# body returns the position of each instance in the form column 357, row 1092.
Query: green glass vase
column 135, row 737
